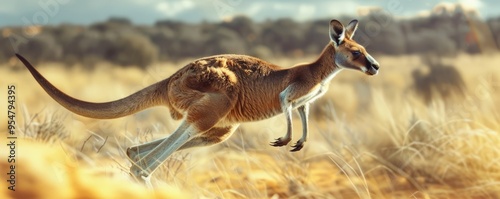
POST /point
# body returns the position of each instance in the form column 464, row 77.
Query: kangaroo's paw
column 281, row 141
column 140, row 175
column 297, row 146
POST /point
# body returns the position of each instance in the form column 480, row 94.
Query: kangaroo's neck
column 323, row 69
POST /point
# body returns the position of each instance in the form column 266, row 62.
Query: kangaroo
column 213, row 95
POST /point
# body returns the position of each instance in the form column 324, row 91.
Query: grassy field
column 371, row 137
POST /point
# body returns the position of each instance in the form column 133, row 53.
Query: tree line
column 121, row 42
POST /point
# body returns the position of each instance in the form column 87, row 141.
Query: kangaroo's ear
column 337, row 32
column 351, row 28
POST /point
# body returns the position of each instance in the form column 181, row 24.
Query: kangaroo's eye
column 356, row 53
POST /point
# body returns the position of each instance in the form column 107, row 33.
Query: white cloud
column 254, row 8
column 299, row 11
column 477, row 4
column 306, row 11
column 174, row 8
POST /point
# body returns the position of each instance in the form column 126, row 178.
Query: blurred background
column 139, row 33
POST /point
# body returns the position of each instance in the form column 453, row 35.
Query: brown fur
column 214, row 94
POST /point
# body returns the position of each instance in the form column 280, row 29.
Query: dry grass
column 371, row 137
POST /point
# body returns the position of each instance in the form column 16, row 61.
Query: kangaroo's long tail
column 153, row 95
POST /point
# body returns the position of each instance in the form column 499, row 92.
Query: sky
column 42, row 12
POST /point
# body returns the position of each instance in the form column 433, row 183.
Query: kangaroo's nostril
column 375, row 66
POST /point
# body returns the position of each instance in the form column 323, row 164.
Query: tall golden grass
column 371, row 137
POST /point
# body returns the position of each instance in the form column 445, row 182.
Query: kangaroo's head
column 348, row 53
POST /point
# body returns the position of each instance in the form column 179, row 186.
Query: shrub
column 41, row 48
column 134, row 49
column 223, row 41
column 442, row 81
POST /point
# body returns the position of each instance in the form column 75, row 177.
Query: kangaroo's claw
column 299, row 145
column 281, row 141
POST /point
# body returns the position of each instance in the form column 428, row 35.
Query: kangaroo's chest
column 315, row 93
